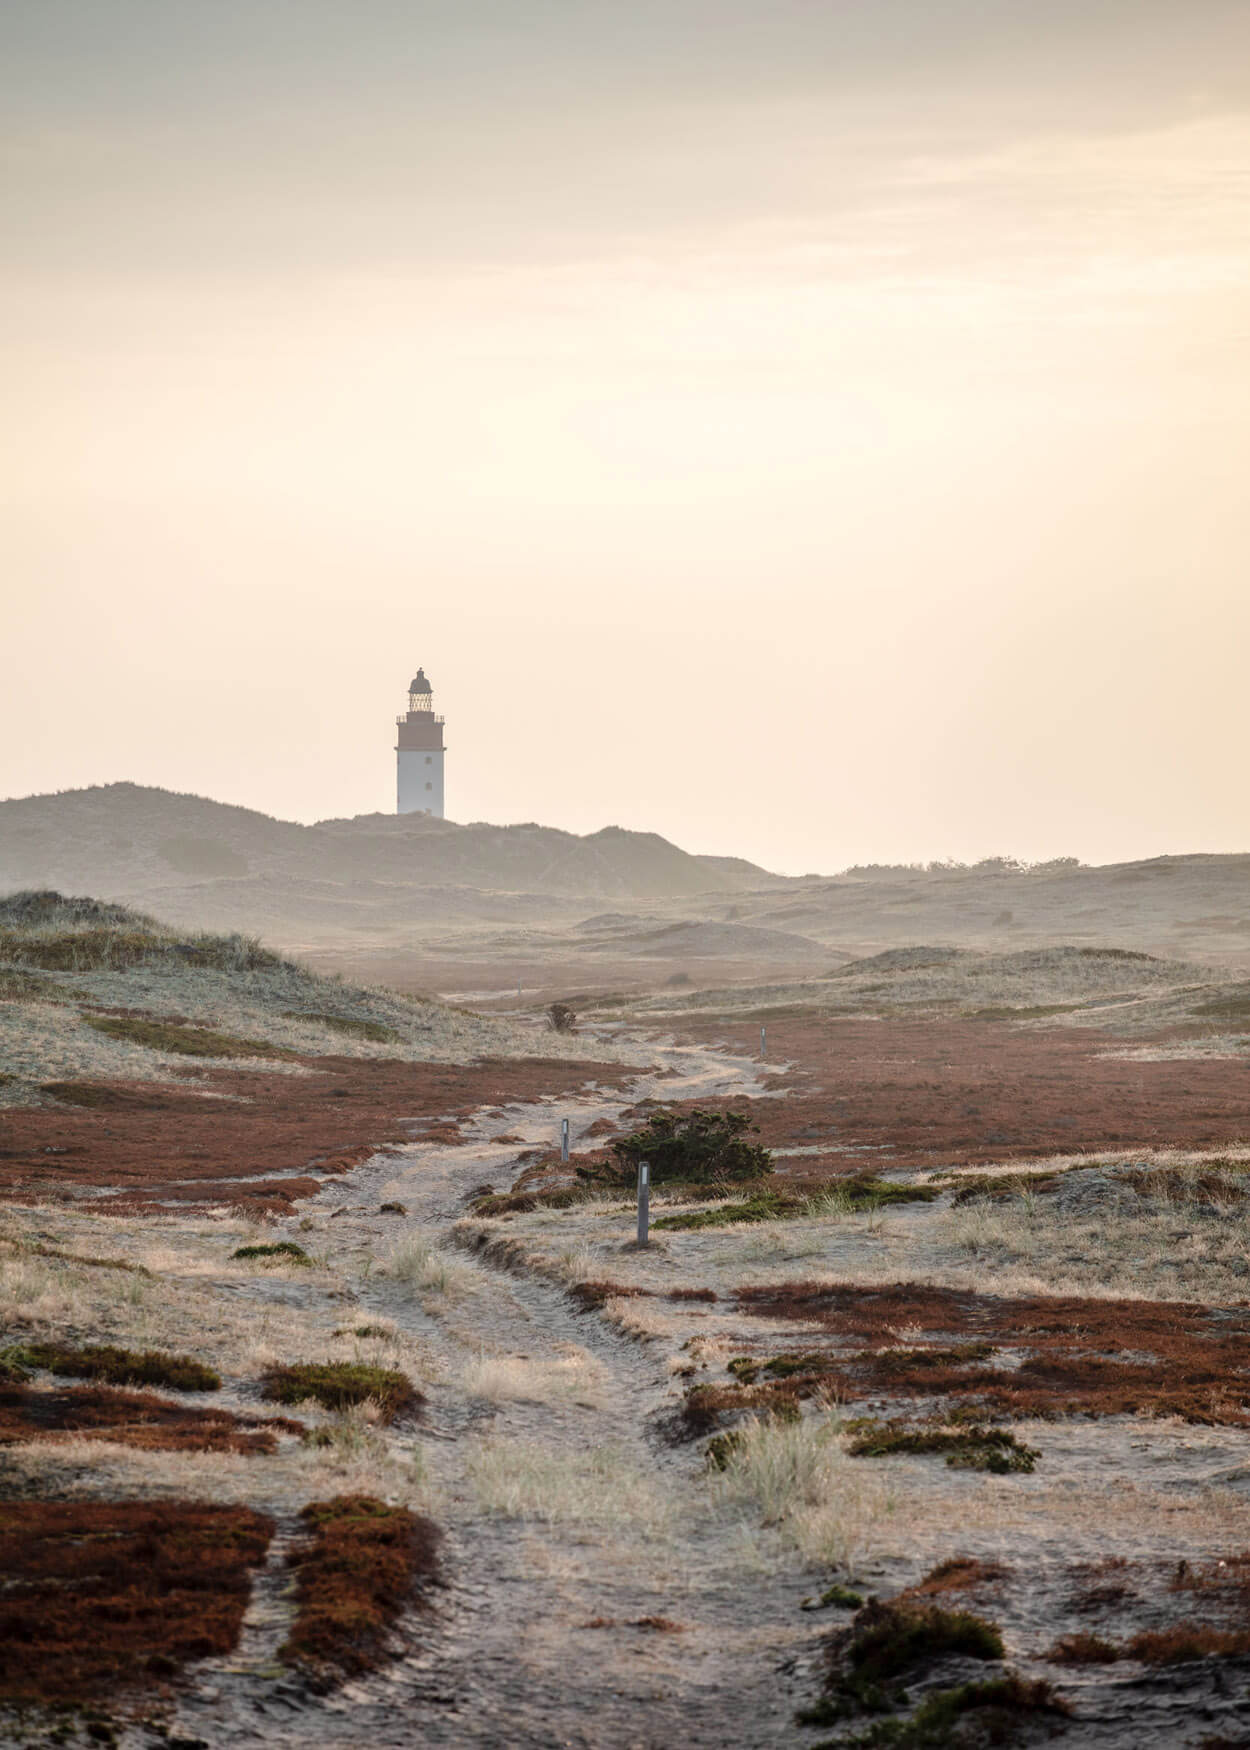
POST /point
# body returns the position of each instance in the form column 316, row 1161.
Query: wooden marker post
column 564, row 1139
column 644, row 1200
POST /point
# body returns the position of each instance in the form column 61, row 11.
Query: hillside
column 438, row 905
column 205, row 862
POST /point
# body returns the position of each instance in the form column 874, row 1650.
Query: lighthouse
column 419, row 753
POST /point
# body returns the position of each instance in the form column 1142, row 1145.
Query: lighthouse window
column 428, row 760
column 429, row 786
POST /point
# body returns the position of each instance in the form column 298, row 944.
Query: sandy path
column 509, row 1656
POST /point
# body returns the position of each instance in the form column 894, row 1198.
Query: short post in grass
column 644, row 1200
column 564, row 1139
column 763, row 1041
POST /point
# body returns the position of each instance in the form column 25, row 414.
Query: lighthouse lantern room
column 419, row 753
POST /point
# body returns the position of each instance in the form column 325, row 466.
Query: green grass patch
column 966, row 1448
column 281, row 1251
column 351, row 1025
column 338, row 1385
column 852, row 1196
column 186, row 1041
column 746, row 1369
column 768, row 1206
column 117, row 1366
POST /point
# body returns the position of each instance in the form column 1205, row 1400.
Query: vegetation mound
column 276, row 1251
column 55, row 933
column 115, row 1366
column 137, row 1419
column 361, row 1565
column 698, row 1146
column 965, row 1448
column 338, row 1385
column 892, row 1640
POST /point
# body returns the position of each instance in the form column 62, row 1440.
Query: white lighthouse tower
column 419, row 753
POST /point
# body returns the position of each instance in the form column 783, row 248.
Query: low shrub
column 338, row 1385
column 360, row 1566
column 1083, row 1649
column 284, row 1251
column 965, row 1448
column 118, row 1366
column 701, row 1146
column 889, row 1640
column 1002, row 1705
column 835, row 1597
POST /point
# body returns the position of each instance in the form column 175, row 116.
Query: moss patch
column 352, row 1025
column 180, row 1037
column 852, row 1196
column 280, row 1251
column 965, row 1448
column 768, row 1206
column 104, row 1596
column 362, row 1563
column 118, row 1366
column 338, row 1385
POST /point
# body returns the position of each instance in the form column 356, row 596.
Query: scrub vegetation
column 360, row 1564
column 101, row 1597
column 114, row 1366
column 340, row 1385
column 135, row 1419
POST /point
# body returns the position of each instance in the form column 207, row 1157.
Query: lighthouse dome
column 420, row 684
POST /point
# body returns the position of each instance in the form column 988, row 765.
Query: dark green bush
column 698, row 1146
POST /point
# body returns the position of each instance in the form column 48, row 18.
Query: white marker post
column 763, row 1040
column 564, row 1139
column 644, row 1200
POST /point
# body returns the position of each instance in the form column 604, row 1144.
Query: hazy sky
column 811, row 429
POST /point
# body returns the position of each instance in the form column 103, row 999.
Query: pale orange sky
column 814, row 432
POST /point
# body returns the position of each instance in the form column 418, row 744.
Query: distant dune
column 420, row 898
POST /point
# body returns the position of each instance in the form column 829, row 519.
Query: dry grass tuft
column 797, row 1474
